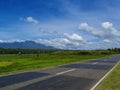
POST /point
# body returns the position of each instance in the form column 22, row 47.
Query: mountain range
column 25, row 45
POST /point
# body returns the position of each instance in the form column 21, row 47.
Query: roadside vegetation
column 112, row 82
column 18, row 60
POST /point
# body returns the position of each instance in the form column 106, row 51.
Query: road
column 76, row 76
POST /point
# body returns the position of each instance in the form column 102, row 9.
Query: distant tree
column 38, row 53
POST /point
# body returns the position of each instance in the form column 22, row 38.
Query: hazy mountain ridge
column 25, row 45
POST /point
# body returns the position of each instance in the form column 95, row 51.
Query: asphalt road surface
column 77, row 76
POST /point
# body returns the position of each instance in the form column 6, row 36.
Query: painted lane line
column 29, row 82
column 95, row 63
column 93, row 88
column 65, row 71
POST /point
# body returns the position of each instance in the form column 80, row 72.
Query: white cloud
column 73, row 41
column 108, row 31
column 107, row 36
column 107, row 25
column 56, row 42
column 74, row 37
column 11, row 41
column 1, row 41
column 30, row 19
column 106, row 41
column 66, row 41
column 83, row 26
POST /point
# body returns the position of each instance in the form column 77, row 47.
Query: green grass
column 112, row 82
column 19, row 63
column 4, row 64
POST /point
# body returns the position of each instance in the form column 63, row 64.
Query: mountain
column 25, row 45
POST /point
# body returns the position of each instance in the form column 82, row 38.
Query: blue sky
column 67, row 24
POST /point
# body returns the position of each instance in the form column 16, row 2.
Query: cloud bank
column 106, row 33
column 103, row 37
column 107, row 37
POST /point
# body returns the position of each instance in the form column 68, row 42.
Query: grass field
column 112, row 82
column 18, row 63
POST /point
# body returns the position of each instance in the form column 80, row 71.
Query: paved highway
column 77, row 76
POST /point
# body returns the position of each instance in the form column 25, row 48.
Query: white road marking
column 29, row 82
column 95, row 63
column 93, row 88
column 65, row 71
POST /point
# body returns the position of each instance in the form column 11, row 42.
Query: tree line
column 59, row 52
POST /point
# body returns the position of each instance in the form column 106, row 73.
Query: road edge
column 94, row 87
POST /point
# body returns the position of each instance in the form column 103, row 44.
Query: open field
column 112, row 82
column 18, row 63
